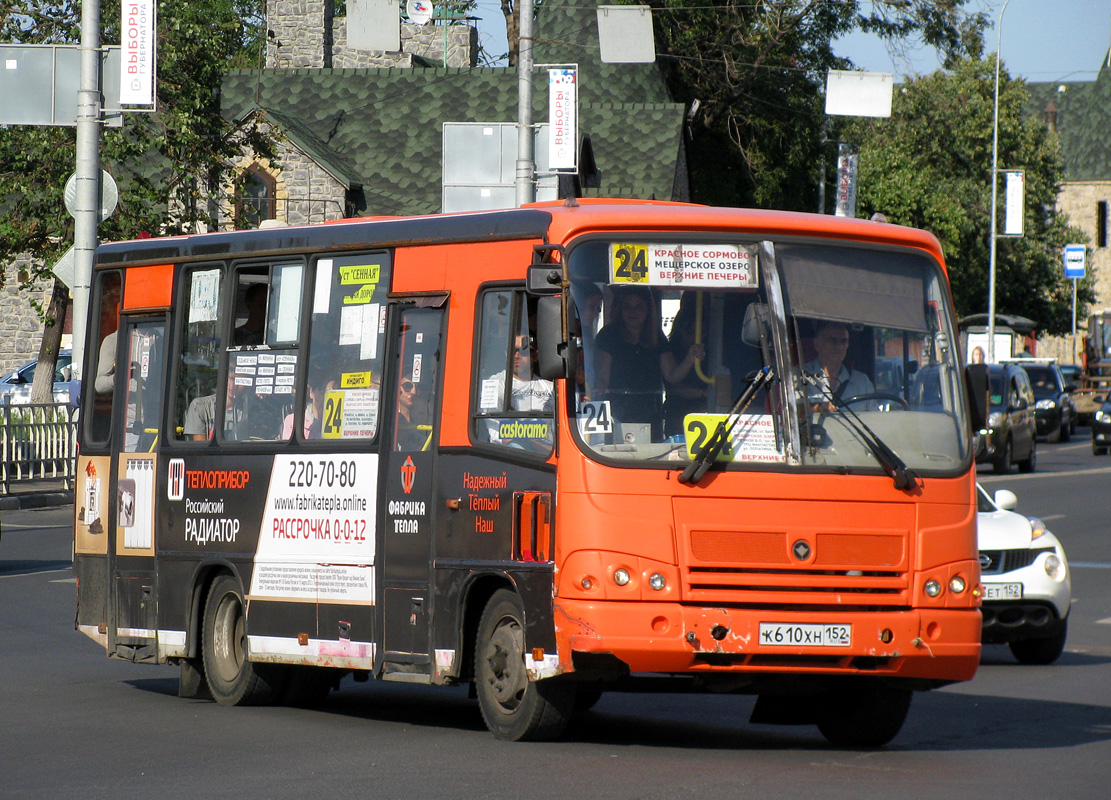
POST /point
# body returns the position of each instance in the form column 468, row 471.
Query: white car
column 16, row 386
column 1025, row 575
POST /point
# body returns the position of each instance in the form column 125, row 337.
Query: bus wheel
column 232, row 679
column 865, row 714
column 514, row 707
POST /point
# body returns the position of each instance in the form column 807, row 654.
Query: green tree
column 169, row 164
column 929, row 166
column 758, row 71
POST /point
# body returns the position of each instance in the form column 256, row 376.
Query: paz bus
column 551, row 452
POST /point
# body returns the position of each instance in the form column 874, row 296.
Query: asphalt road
column 74, row 724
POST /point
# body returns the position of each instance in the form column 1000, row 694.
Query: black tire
column 1002, row 462
column 864, row 714
column 1065, row 432
column 513, row 707
column 1098, row 451
column 232, row 679
column 1031, row 462
column 1040, row 651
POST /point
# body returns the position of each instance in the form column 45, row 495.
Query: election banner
column 137, row 22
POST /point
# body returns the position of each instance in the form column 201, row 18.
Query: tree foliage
column 929, row 166
column 757, row 69
column 164, row 162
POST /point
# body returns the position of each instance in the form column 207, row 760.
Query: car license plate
column 783, row 634
column 1002, row 591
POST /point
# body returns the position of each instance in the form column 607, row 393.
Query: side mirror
column 551, row 350
column 756, row 318
column 976, row 382
column 1006, row 499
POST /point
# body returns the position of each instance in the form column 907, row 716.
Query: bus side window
column 199, row 356
column 514, row 405
column 110, row 290
column 347, row 344
column 262, row 357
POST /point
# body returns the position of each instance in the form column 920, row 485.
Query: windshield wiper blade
column 714, row 443
column 904, row 477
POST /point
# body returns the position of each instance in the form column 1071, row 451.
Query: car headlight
column 1037, row 527
column 1054, row 567
column 1046, row 404
column 1103, row 416
column 995, row 419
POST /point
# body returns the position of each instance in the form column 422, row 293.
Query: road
column 74, row 724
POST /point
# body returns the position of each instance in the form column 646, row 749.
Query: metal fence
column 38, row 441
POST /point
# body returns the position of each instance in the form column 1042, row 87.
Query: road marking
column 1027, row 476
column 35, row 572
column 1089, row 564
column 1052, row 517
column 1104, row 621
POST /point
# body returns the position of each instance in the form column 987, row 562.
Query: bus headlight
column 657, row 581
column 957, row 584
column 932, row 588
column 621, row 576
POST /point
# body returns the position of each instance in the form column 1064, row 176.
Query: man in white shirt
column 827, row 375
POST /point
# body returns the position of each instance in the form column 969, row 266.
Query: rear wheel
column 232, row 679
column 1002, row 462
column 1040, row 651
column 514, row 707
column 864, row 714
column 1031, row 460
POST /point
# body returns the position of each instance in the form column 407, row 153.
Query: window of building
column 255, row 199
column 1101, row 223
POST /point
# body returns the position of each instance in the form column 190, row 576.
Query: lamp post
column 994, row 189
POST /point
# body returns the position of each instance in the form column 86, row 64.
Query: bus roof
column 554, row 221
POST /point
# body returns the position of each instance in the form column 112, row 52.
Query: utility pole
column 526, row 166
column 87, row 214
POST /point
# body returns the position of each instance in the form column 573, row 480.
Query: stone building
column 1079, row 112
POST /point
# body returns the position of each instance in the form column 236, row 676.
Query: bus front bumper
column 941, row 645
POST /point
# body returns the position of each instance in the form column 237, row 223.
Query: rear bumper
column 940, row 645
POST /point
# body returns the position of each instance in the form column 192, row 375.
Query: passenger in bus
column 828, row 378
column 252, row 331
column 686, row 391
column 314, row 412
column 105, row 378
column 627, row 360
column 588, row 301
column 410, row 435
column 527, row 392
column 200, row 418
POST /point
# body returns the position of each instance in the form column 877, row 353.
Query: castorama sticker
column 137, row 47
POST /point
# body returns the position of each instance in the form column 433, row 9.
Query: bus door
column 133, row 617
column 408, row 508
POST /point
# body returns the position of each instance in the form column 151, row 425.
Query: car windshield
column 1042, row 379
column 858, row 345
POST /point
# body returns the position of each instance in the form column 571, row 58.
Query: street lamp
column 994, row 189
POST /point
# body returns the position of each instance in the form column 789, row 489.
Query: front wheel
column 1040, row 651
column 1031, row 462
column 232, row 679
column 1066, row 430
column 514, row 707
column 1003, row 462
column 865, row 714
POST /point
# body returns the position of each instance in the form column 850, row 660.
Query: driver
column 828, row 374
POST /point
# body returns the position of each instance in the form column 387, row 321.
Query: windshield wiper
column 714, row 443
column 904, row 477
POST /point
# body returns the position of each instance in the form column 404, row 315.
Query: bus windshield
column 859, row 341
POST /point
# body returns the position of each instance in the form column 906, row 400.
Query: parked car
column 16, row 386
column 1025, row 575
column 1101, row 429
column 1054, row 410
column 1011, row 434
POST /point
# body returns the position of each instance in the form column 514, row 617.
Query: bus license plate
column 805, row 635
column 1002, row 591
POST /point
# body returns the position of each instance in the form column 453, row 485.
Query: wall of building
column 307, row 35
column 1080, row 201
column 20, row 323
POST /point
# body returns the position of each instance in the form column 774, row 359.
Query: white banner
column 1016, row 201
column 137, row 45
column 562, row 119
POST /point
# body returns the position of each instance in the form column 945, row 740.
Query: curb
column 15, row 502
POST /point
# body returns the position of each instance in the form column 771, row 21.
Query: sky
column 1043, row 40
